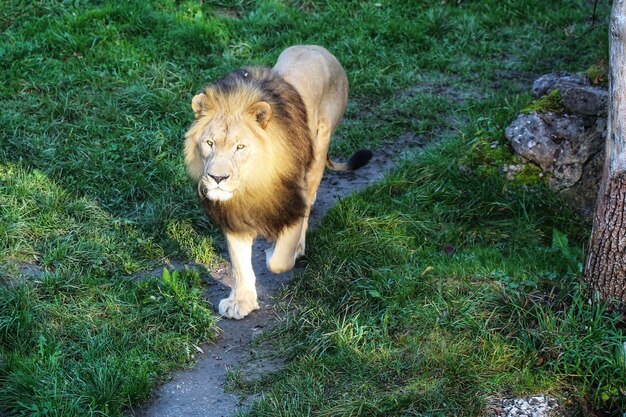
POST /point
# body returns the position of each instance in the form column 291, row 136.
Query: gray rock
column 564, row 176
column 549, row 140
column 567, row 146
column 565, row 127
column 585, row 100
column 557, row 81
column 577, row 175
column 531, row 138
column 583, row 194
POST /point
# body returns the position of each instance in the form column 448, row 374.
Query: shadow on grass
column 77, row 336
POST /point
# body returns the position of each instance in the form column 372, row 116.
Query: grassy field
column 426, row 295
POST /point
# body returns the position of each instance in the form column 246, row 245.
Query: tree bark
column 605, row 267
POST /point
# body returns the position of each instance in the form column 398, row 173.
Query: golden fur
column 271, row 191
column 257, row 151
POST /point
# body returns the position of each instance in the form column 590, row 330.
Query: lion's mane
column 272, row 193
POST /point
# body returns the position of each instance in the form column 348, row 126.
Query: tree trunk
column 605, row 268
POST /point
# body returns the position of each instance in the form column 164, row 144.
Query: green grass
column 453, row 287
column 437, row 289
column 77, row 346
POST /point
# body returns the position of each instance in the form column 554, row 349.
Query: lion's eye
column 240, row 146
column 209, row 142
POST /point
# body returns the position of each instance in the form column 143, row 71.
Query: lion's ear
column 199, row 103
column 262, row 111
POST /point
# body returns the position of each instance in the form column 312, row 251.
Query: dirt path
column 200, row 391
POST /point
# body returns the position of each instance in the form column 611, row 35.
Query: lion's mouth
column 214, row 192
column 219, row 195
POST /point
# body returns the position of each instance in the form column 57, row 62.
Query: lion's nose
column 219, row 178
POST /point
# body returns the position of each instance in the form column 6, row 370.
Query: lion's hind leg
column 314, row 178
column 291, row 243
column 282, row 256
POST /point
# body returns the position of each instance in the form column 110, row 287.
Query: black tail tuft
column 359, row 159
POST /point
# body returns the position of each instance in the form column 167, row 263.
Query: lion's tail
column 356, row 161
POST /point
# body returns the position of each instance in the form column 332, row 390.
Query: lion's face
column 222, row 149
column 228, row 150
column 225, row 153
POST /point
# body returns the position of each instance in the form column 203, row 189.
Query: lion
column 257, row 151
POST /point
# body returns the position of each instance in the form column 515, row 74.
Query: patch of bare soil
column 200, row 391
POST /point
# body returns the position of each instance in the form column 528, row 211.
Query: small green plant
column 572, row 255
column 531, row 175
column 598, row 73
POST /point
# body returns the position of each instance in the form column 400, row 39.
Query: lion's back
column 320, row 80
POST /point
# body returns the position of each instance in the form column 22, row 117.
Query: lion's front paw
column 237, row 309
